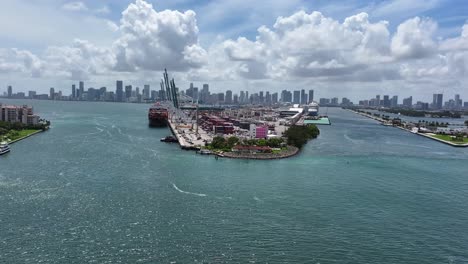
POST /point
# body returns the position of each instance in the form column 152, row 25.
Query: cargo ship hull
column 158, row 116
column 157, row 122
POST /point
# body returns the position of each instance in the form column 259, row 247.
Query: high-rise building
column 408, row 102
column 31, row 94
column 377, row 100
column 311, row 96
column 286, row 96
column 73, row 95
column 394, row 101
column 10, row 91
column 81, row 89
column 52, row 93
column 386, row 101
column 128, row 91
column 242, row 97
column 334, row 101
column 268, row 98
column 228, row 98
column 236, row 99
column 437, row 101
column 119, row 91
column 303, row 97
column 274, row 98
column 458, row 101
column 146, row 91
column 297, row 97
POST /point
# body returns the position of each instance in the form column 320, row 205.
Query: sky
column 349, row 48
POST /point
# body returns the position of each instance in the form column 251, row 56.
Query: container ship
column 158, row 116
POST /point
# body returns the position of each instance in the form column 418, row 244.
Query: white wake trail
column 181, row 191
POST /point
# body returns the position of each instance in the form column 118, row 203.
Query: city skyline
column 401, row 47
column 125, row 93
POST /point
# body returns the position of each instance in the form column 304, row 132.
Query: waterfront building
column 18, row 114
column 128, row 92
column 10, row 91
column 81, row 90
column 334, row 101
column 73, row 95
column 119, row 91
column 146, row 92
column 52, row 93
column 31, row 94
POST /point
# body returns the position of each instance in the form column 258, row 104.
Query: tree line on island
column 296, row 136
column 16, row 130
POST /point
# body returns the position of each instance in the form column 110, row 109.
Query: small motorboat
column 169, row 139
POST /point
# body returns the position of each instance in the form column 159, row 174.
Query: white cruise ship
column 4, row 148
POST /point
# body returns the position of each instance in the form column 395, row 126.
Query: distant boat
column 204, row 152
column 4, row 148
column 169, row 139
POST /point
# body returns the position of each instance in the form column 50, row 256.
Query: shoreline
column 291, row 152
column 21, row 138
column 183, row 144
column 465, row 145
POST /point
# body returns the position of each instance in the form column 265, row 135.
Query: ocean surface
column 99, row 187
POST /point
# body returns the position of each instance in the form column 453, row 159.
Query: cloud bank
column 308, row 48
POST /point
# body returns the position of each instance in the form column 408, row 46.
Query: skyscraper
column 311, row 96
column 437, row 101
column 52, row 93
column 408, row 102
column 146, row 91
column 228, row 98
column 394, row 101
column 81, row 89
column 303, row 97
column 297, row 97
column 73, row 95
column 128, row 91
column 10, row 91
column 119, row 91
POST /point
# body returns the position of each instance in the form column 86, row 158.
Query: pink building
column 261, row 132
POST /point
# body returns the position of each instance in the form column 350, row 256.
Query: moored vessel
column 158, row 116
column 4, row 148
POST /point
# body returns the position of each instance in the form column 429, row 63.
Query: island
column 19, row 122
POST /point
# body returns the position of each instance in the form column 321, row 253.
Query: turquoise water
column 99, row 187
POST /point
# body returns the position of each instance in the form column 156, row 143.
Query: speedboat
column 4, row 148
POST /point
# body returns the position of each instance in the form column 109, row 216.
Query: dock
column 187, row 135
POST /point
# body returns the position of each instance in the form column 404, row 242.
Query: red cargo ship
column 158, row 116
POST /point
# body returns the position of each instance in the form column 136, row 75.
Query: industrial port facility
column 195, row 125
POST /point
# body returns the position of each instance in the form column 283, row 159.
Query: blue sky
column 398, row 46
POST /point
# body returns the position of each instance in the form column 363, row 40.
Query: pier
column 187, row 135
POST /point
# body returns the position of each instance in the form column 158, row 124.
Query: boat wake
column 181, row 191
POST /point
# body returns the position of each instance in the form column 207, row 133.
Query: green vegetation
column 458, row 139
column 299, row 135
column 220, row 143
column 13, row 131
column 16, row 134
